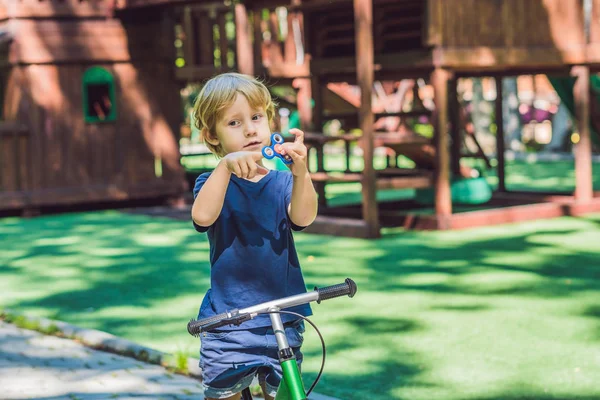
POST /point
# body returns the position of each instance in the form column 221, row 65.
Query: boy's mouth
column 253, row 144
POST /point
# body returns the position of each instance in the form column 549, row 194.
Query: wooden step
column 336, row 177
column 421, row 180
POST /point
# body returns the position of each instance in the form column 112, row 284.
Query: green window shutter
column 99, row 100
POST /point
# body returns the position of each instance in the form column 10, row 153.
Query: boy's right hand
column 244, row 164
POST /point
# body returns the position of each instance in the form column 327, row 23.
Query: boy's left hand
column 297, row 150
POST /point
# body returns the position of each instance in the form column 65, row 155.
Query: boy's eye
column 256, row 117
column 233, row 123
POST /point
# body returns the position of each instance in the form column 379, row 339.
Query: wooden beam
column 290, row 71
column 443, row 200
column 583, row 149
column 243, row 43
column 198, row 73
column 363, row 21
column 407, row 182
column 456, row 132
column 477, row 58
column 500, row 136
column 10, row 128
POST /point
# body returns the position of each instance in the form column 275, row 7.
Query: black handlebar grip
column 329, row 292
column 195, row 327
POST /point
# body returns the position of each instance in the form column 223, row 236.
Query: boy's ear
column 210, row 138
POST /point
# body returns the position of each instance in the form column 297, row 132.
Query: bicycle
column 291, row 386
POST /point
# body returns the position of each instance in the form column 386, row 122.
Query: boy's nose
column 250, row 130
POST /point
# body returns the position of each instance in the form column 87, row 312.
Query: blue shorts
column 231, row 359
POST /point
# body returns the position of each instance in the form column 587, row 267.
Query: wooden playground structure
column 80, row 122
column 328, row 46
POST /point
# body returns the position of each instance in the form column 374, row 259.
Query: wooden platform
column 504, row 208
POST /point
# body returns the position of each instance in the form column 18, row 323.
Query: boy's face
column 242, row 127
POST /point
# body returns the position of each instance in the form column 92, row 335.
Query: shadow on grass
column 379, row 385
column 379, row 325
column 80, row 265
column 133, row 274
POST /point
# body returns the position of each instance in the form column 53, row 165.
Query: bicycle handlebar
column 236, row 317
column 329, row 292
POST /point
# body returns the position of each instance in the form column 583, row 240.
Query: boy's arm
column 209, row 201
column 303, row 206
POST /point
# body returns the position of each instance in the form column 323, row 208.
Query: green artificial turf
column 506, row 312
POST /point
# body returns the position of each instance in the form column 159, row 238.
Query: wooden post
column 443, row 199
column 189, row 46
column 204, row 36
column 303, row 98
column 223, row 42
column 317, row 126
column 501, row 167
column 258, row 41
column 455, row 128
column 243, row 44
column 363, row 23
column 317, row 117
column 583, row 149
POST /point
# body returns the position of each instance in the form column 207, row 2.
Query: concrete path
column 36, row 366
column 42, row 367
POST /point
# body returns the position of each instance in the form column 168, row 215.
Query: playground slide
column 564, row 89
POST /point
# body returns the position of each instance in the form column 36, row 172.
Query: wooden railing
column 210, row 41
column 14, row 157
column 206, row 44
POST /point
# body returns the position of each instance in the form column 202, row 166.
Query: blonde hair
column 219, row 93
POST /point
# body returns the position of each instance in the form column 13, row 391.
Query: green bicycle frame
column 291, row 386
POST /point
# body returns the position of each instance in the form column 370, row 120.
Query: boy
column 248, row 213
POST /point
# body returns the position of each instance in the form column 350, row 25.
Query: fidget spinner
column 274, row 149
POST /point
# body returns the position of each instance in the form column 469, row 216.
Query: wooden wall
column 125, row 4
column 63, row 159
column 512, row 33
column 512, row 23
column 54, row 8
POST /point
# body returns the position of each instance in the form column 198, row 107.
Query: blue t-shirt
column 252, row 253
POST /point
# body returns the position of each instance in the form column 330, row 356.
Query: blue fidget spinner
column 274, row 149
